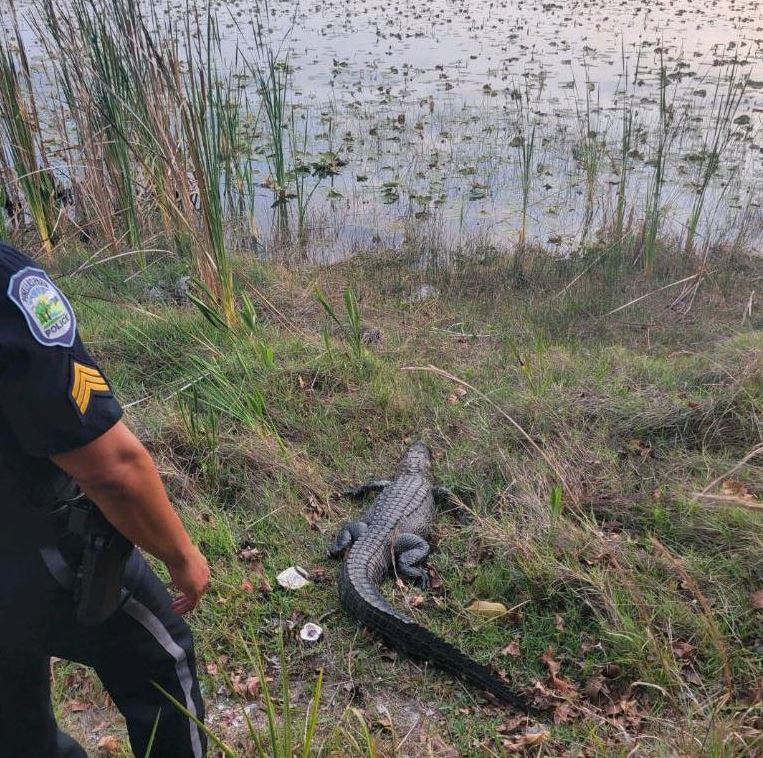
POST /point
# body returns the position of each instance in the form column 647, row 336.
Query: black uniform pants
column 143, row 642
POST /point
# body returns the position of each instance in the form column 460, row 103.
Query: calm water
column 422, row 101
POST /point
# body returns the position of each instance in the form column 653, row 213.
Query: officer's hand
column 191, row 578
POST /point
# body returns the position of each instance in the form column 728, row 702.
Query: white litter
column 293, row 578
column 310, row 633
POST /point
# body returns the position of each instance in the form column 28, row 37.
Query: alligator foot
column 347, row 535
column 357, row 492
column 411, row 549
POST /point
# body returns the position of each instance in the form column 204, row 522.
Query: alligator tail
column 401, row 633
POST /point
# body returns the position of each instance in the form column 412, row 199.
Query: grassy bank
column 631, row 621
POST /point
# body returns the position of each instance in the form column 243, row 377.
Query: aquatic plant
column 525, row 144
column 726, row 101
column 667, row 129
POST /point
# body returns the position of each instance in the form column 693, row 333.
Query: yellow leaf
column 487, row 610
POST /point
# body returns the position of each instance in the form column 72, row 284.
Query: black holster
column 102, row 557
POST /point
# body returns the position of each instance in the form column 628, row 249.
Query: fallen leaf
column 594, row 686
column 682, row 649
column 417, row 601
column 551, row 662
column 559, row 683
column 512, row 649
column 559, row 622
column 532, row 736
column 212, row 669
column 75, row 706
column 487, row 609
column 563, row 713
column 384, row 723
column 108, row 746
column 757, row 600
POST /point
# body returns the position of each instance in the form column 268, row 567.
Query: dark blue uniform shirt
column 53, row 397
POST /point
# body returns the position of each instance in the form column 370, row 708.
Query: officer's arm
column 119, row 475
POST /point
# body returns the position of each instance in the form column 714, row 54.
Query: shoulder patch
column 48, row 314
column 85, row 381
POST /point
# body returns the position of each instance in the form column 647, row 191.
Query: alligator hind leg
column 411, row 549
column 347, row 535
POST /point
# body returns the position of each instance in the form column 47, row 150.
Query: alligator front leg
column 357, row 492
column 351, row 531
column 411, row 549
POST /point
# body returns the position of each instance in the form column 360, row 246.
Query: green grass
column 635, row 419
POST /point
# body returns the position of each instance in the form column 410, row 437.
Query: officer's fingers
column 183, row 604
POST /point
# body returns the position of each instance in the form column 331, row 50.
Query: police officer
column 63, row 449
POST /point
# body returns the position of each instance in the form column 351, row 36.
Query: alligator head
column 417, row 460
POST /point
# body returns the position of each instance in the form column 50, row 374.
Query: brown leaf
column 212, row 669
column 384, row 723
column 512, row 649
column 559, row 622
column 247, row 586
column 108, row 746
column 559, row 683
column 551, row 662
column 435, row 582
column 682, row 649
column 438, row 748
column 532, row 736
column 417, row 601
column 757, row 600
column 75, row 706
column 563, row 713
column 594, row 686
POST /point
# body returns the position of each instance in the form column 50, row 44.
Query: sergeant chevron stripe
column 85, row 381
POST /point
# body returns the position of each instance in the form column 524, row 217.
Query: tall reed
column 726, row 101
column 20, row 129
column 525, row 145
column 667, row 130
column 205, row 110
column 626, row 148
column 588, row 151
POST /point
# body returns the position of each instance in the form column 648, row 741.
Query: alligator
column 395, row 529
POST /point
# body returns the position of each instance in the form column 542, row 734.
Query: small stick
column 730, row 500
column 755, row 451
column 654, row 292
